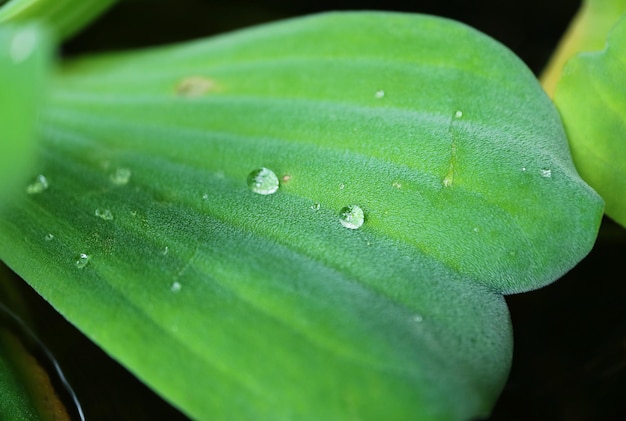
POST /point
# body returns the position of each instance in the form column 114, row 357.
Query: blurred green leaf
column 63, row 17
column 238, row 305
column 591, row 97
column 24, row 63
column 587, row 32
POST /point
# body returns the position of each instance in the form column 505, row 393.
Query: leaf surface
column 591, row 98
column 238, row 305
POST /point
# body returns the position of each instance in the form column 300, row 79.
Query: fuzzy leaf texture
column 591, row 97
column 238, row 305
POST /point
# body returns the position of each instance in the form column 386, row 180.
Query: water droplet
column 458, row 114
column 205, row 196
column 82, row 261
column 476, row 230
column 546, row 173
column 40, row 184
column 194, row 86
column 352, row 217
column 418, row 318
column 379, row 94
column 263, row 181
column 315, row 206
column 49, row 237
column 120, row 176
column 133, row 213
column 342, row 186
column 285, row 178
column 165, row 251
column 104, row 214
column 176, row 286
column 397, row 184
column 523, row 169
column 23, row 44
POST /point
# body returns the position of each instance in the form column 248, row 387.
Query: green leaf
column 587, row 32
column 25, row 387
column 64, row 17
column 591, row 97
column 24, row 62
column 238, row 305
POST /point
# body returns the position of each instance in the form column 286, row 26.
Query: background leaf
column 591, row 98
column 64, row 18
column 24, row 63
column 587, row 32
column 149, row 239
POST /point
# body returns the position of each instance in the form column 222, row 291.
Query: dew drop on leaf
column 82, row 261
column 546, row 173
column 379, row 94
column 120, row 176
column 263, row 181
column 352, row 217
column 40, row 184
column 104, row 214
column 458, row 114
column 176, row 286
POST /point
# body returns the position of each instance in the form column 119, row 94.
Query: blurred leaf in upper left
column 25, row 56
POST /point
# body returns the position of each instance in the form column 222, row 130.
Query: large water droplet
column 263, row 181
column 104, row 214
column 82, row 261
column 352, row 217
column 40, row 184
column 120, row 176
column 23, row 44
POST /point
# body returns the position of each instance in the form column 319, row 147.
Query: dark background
column 570, row 338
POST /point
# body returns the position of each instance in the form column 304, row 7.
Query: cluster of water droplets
column 265, row 182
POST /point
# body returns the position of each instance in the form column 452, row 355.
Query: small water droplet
column 194, row 86
column 176, row 286
column 458, row 114
column 82, row 261
column 397, row 184
column 342, row 186
column 523, row 169
column 49, row 237
column 120, row 176
column 23, row 44
column 285, row 178
column 379, row 94
column 546, row 173
column 104, row 214
column 263, row 181
column 133, row 213
column 165, row 251
column 205, row 196
column 418, row 318
column 476, row 230
column 352, row 217
column 315, row 206
column 40, row 184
